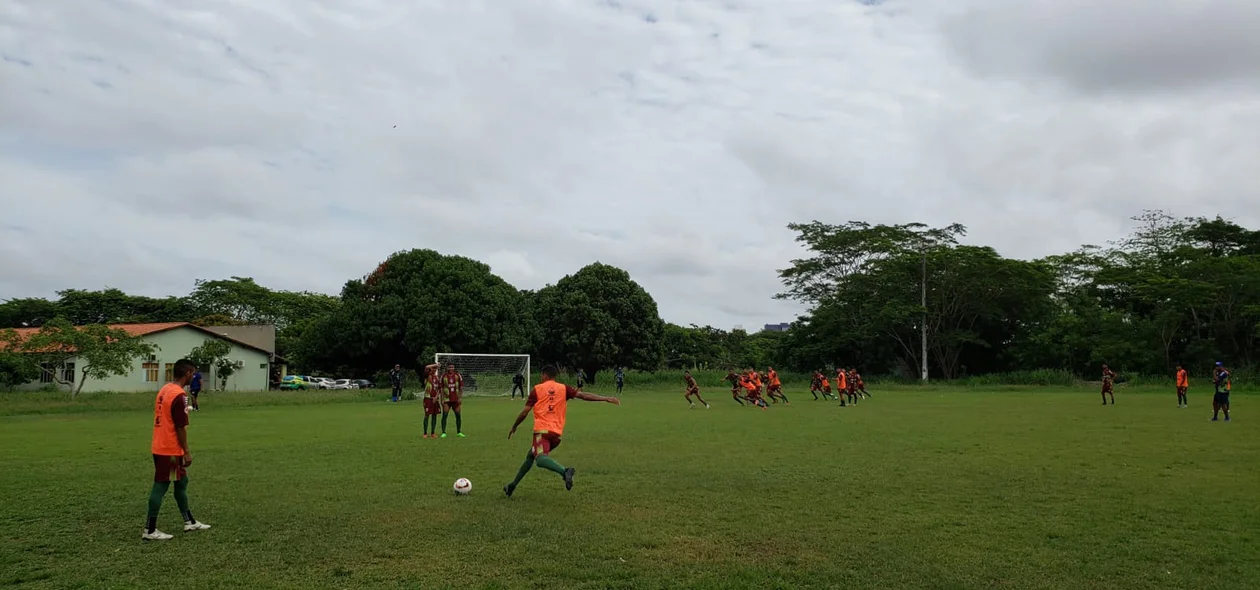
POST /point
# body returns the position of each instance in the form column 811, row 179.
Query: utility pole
column 923, row 325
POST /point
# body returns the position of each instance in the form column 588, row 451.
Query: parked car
column 343, row 384
column 296, row 382
column 324, row 382
column 364, row 384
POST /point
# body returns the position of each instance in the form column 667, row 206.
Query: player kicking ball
column 549, row 401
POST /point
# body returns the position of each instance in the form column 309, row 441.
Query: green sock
column 181, row 499
column 459, row 422
column 549, row 464
column 155, row 503
column 525, row 467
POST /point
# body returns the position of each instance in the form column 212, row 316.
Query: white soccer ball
column 462, row 486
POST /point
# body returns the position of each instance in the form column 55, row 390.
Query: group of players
column 748, row 387
column 1222, row 382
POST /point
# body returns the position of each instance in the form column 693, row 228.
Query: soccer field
column 938, row 488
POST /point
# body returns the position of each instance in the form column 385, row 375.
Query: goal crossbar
column 491, row 375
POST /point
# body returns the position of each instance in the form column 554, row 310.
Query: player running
column 620, row 376
column 171, row 457
column 861, row 385
column 774, row 386
column 549, row 402
column 692, row 388
column 432, row 404
column 842, row 388
column 1183, row 385
column 452, row 389
column 1108, row 376
column 1220, row 400
column 736, row 385
column 752, row 392
column 815, row 384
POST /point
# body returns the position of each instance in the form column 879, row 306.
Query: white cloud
column 144, row 144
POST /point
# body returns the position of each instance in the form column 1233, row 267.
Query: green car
column 292, row 382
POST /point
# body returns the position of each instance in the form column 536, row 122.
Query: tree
column 26, row 313
column 418, row 301
column 209, row 353
column 98, row 351
column 598, row 317
column 14, row 367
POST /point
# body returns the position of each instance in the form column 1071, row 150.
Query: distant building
column 776, row 327
column 174, row 340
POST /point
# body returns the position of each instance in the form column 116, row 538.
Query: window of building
column 262, row 365
column 150, row 372
column 46, row 373
column 67, row 373
column 170, row 372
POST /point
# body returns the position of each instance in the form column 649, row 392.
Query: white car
column 322, row 382
column 343, row 384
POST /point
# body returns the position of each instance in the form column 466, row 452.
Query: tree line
column 1175, row 290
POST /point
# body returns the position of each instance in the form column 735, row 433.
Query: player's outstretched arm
column 520, row 418
column 590, row 397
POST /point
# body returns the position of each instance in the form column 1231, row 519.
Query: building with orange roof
column 174, row 340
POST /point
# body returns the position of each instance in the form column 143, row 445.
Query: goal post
column 487, row 375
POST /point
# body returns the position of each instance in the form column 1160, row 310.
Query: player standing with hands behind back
column 549, row 401
column 171, row 456
column 452, row 385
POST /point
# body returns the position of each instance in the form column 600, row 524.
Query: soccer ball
column 462, row 486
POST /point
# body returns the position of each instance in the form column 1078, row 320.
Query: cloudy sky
column 145, row 143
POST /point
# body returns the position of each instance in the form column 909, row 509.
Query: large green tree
column 96, row 350
column 599, row 318
column 415, row 303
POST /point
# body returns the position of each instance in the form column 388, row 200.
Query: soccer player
column 621, row 379
column 757, row 383
column 826, row 388
column 395, row 381
column 775, row 387
column 518, row 384
column 432, row 404
column 861, row 385
column 815, row 384
column 693, row 388
column 752, row 393
column 1108, row 376
column 194, row 388
column 549, row 402
column 171, row 457
column 1183, row 385
column 452, row 386
column 1220, row 400
column 735, row 386
column 842, row 386
column 852, row 385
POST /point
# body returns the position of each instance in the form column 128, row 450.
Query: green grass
column 917, row 488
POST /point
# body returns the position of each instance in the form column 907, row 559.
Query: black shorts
column 195, row 393
column 168, row 468
column 1221, row 398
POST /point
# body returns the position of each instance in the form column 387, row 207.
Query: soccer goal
column 487, row 374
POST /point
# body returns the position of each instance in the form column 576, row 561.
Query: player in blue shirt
column 621, row 379
column 195, row 389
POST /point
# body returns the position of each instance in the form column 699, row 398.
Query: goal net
column 487, row 374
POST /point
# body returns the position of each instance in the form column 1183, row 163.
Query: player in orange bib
column 1183, row 385
column 693, row 388
column 549, row 401
column 171, row 457
column 826, row 388
column 774, row 387
column 752, row 392
column 432, row 405
column 842, row 387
